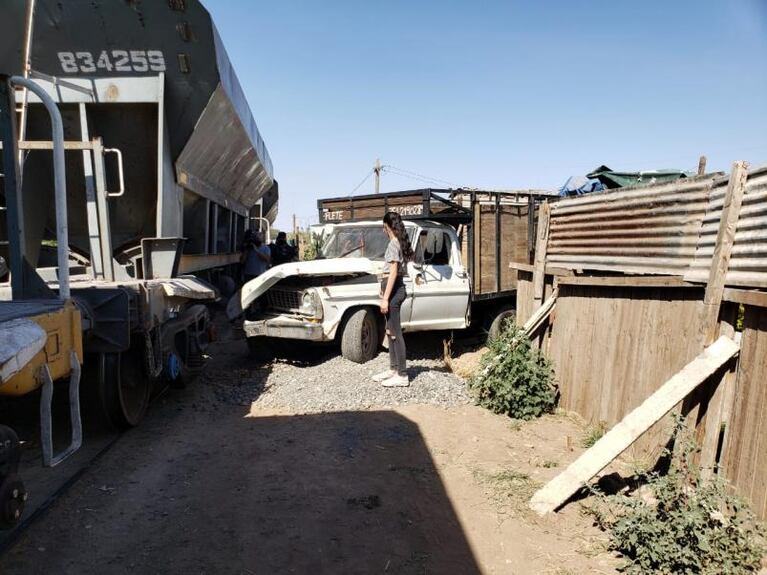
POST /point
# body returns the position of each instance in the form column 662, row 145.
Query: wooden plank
column 524, row 296
column 758, row 495
column 695, row 406
column 477, row 231
column 746, row 297
column 549, row 270
column 544, row 219
column 555, row 271
column 522, row 267
column 540, row 315
column 488, row 249
column 634, row 281
column 498, row 242
column 745, row 411
column 619, row 438
column 725, row 239
column 710, row 425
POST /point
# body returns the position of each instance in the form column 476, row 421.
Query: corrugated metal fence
column 631, row 269
column 666, row 229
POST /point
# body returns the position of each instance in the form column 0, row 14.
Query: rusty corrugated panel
column 748, row 262
column 645, row 230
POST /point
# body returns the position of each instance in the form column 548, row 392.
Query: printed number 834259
column 116, row 60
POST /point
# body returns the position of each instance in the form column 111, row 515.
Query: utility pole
column 377, row 170
column 295, row 229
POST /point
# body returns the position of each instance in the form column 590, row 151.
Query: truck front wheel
column 360, row 338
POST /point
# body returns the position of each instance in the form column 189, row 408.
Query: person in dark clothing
column 255, row 257
column 282, row 251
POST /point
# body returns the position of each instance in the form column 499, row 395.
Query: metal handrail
column 59, row 180
column 268, row 237
column 119, row 155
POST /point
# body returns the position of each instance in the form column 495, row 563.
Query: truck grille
column 289, row 300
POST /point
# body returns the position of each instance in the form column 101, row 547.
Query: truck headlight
column 311, row 304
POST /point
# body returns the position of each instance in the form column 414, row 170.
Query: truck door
column 440, row 283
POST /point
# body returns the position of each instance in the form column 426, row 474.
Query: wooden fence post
column 720, row 263
column 704, row 409
column 541, row 244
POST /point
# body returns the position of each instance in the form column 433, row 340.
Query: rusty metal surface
column 667, row 229
column 748, row 262
column 645, row 230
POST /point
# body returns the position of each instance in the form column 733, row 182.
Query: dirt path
column 206, row 485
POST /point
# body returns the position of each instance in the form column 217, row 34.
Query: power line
column 416, row 178
column 365, row 179
column 399, row 171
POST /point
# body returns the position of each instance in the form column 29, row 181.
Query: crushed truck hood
column 255, row 288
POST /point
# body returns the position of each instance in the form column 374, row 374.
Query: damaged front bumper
column 285, row 327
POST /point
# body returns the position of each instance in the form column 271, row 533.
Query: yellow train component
column 63, row 327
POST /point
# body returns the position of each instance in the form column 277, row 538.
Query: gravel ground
column 309, row 481
column 314, row 379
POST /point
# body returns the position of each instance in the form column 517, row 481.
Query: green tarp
column 611, row 179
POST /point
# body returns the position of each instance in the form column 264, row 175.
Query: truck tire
column 497, row 318
column 359, row 340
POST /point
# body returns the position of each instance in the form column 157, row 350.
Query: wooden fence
column 645, row 278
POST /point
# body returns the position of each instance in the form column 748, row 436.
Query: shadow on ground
column 420, row 345
column 350, row 492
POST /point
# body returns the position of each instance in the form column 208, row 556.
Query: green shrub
column 313, row 243
column 682, row 524
column 513, row 378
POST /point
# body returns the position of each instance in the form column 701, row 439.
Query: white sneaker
column 383, row 376
column 396, row 381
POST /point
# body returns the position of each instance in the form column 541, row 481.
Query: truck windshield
column 358, row 242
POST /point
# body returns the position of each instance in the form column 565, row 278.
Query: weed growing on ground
column 514, row 379
column 682, row 523
column 594, row 433
column 510, row 488
column 548, row 464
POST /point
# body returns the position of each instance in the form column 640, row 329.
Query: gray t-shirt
column 394, row 254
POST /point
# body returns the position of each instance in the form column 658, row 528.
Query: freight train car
column 132, row 166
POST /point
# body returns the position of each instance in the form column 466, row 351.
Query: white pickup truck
column 336, row 297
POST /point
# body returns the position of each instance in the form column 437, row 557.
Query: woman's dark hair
column 394, row 221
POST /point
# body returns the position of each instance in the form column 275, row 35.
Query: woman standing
column 398, row 253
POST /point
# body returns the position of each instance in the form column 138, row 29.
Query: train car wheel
column 124, row 388
column 13, row 496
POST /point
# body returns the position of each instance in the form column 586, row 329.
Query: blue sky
column 495, row 94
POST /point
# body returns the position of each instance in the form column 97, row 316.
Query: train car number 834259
column 114, row 60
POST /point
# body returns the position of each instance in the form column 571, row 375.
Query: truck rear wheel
column 497, row 320
column 360, row 338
